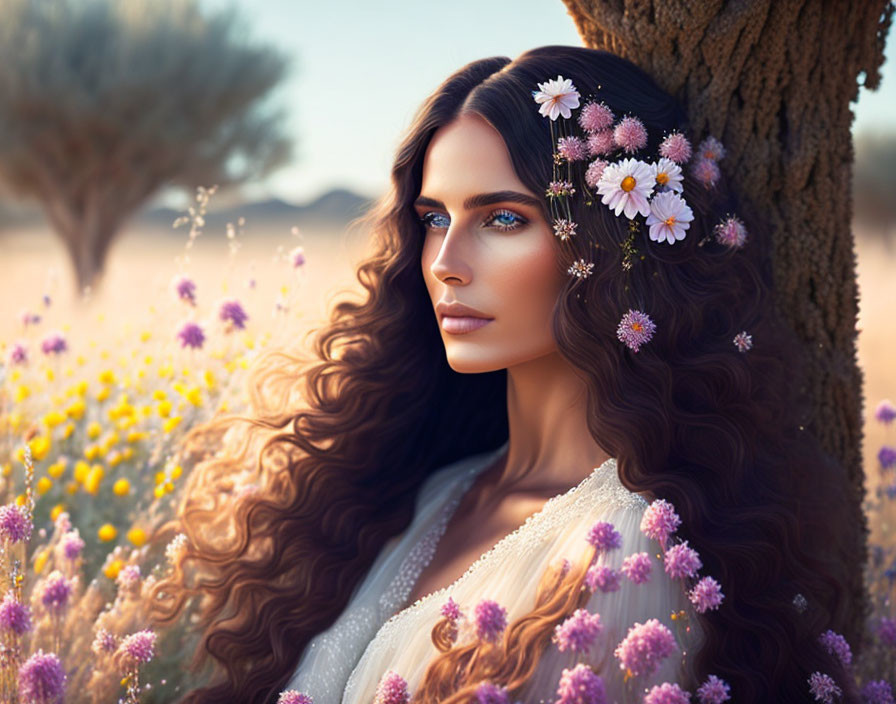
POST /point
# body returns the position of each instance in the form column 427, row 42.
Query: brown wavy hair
column 340, row 444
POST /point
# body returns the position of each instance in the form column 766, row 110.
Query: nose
column 452, row 263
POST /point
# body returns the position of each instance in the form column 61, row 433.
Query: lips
column 460, row 325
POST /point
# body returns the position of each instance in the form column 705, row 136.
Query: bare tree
column 774, row 80
column 102, row 102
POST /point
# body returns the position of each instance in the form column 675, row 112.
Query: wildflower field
column 95, row 397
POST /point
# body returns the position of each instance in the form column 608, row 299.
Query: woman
column 531, row 373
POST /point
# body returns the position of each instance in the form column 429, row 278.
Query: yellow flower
column 81, row 388
column 44, row 484
column 56, row 470
column 114, row 458
column 209, row 378
column 94, row 478
column 113, row 568
column 68, row 430
column 81, row 360
column 145, row 336
column 168, row 486
column 91, row 452
column 136, row 436
column 107, row 532
column 16, row 375
column 69, row 372
column 176, row 471
column 51, row 375
column 159, row 491
column 94, row 430
column 72, row 487
column 20, row 500
column 121, row 487
column 56, row 510
column 194, row 396
column 164, row 408
column 127, row 453
column 40, row 446
column 166, row 371
column 81, row 470
column 7, row 469
column 15, row 419
column 103, row 394
column 171, row 424
column 40, row 560
column 179, row 387
column 137, row 536
column 110, row 440
column 146, row 410
column 22, row 392
column 53, row 418
column 160, row 477
column 159, row 395
column 107, row 376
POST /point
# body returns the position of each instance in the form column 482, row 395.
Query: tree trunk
column 773, row 81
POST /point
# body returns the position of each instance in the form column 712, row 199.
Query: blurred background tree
column 103, row 102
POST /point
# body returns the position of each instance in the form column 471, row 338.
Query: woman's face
column 488, row 246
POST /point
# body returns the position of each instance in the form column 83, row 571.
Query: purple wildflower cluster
column 42, row 679
column 644, row 647
column 835, row 644
column 682, row 561
column 877, row 692
column 450, row 610
column 578, row 632
column 138, row 648
column 714, row 691
column 667, row 693
column 191, row 335
column 291, row 696
column 488, row 693
column 604, row 537
column 823, row 688
column 637, row 567
column 885, row 412
column 15, row 617
column 603, row 577
column 392, row 689
column 491, row 619
column 15, row 524
column 54, row 343
column 56, row 592
column 660, row 521
column 579, row 685
column 231, row 312
column 185, row 288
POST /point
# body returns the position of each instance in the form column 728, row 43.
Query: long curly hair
column 337, row 446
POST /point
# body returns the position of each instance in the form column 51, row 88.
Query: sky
column 354, row 85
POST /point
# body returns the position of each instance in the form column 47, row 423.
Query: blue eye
column 426, row 220
column 504, row 220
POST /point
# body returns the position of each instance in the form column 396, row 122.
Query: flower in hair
column 488, row 693
column 490, row 619
column 601, row 143
column 630, row 134
column 635, row 329
column 731, row 232
column 594, row 172
column 578, row 632
column 667, row 693
column 706, row 171
column 637, row 567
column 595, row 117
column 581, row 269
column 714, row 690
column 626, row 186
column 743, row 341
column 604, row 536
column 557, row 97
column 669, row 217
column 450, row 610
column 668, row 175
column 579, row 685
column 836, row 645
column 711, row 148
column 644, row 647
column 706, row 595
column 676, row 147
column 560, row 188
column 682, row 561
column 659, row 521
column 564, row 229
column 603, row 577
column 572, row 148
column 823, row 688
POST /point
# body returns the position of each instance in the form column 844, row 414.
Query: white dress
column 378, row 631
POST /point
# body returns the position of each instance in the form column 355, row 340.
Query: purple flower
column 488, row 693
column 823, row 688
column 743, row 341
column 491, row 619
column 886, row 631
column 682, row 561
column 644, row 647
column 602, row 577
column 392, row 689
column 706, row 595
column 291, row 696
column 18, row 354
column 877, row 692
column 72, row 545
column 581, row 685
column 104, row 642
column 47, row 300
column 637, row 567
column 232, row 313
column 578, row 632
column 129, row 576
column 54, row 343
column 635, row 329
column 667, row 693
column 450, row 610
column 887, row 457
column 836, row 645
column 15, row 525
column 138, row 648
column 885, row 412
column 713, row 691
column 191, row 335
column 14, row 615
column 185, row 289
column 29, row 318
column 297, row 257
column 659, row 521
column 56, row 591
column 604, row 537
column 42, row 679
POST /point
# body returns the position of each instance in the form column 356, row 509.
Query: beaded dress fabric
column 378, row 631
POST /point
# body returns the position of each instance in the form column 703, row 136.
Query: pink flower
column 42, row 679
column 15, row 616
column 296, row 257
column 823, row 688
column 557, row 97
column 601, row 143
column 713, row 691
column 104, row 642
column 491, row 619
column 564, row 229
column 836, row 644
column 54, row 343
column 594, row 117
column 635, row 329
column 637, row 567
column 743, row 341
column 625, row 186
column 18, row 354
column 450, row 610
column 581, row 685
column 604, row 537
column 660, row 521
column 669, row 218
column 706, row 171
column 138, row 648
column 676, row 147
column 644, row 647
column 392, row 689
column 129, row 576
column 15, row 525
column 488, row 693
column 885, row 412
column 630, row 134
column 572, row 148
column 667, row 693
column 682, row 561
column 711, row 148
column 578, row 632
column 291, row 696
column 560, row 188
column 594, row 171
column 706, row 595
column 72, row 545
column 602, row 577
column 56, row 592
column 731, row 232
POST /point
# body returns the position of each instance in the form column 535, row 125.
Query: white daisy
column 557, row 97
column 668, row 174
column 626, row 185
column 669, row 217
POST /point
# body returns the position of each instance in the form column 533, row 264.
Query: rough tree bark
column 773, row 80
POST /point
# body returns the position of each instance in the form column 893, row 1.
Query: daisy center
column 662, row 178
column 670, row 221
column 628, row 183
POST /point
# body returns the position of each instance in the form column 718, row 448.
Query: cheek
column 531, row 280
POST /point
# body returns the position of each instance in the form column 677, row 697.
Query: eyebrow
column 483, row 199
